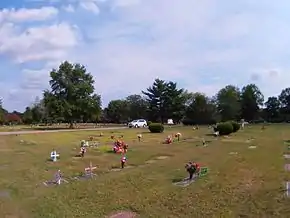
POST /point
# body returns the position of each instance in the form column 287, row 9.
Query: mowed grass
column 248, row 184
column 61, row 126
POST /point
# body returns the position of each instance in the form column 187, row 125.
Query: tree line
column 72, row 98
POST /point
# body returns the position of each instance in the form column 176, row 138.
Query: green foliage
column 228, row 102
column 165, row 101
column 149, row 123
column 156, row 128
column 251, row 100
column 225, row 128
column 236, row 126
column 200, row 110
column 72, row 97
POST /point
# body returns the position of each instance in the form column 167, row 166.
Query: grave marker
column 89, row 170
column 88, row 174
column 252, row 147
column 58, row 179
column 287, row 189
column 54, row 155
column 286, row 156
column 185, row 182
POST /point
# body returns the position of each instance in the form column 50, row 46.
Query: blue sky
column 126, row 44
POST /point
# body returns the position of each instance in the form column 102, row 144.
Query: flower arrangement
column 139, row 136
column 178, row 135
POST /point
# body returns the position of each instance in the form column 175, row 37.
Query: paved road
column 60, row 130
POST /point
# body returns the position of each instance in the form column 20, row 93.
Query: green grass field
column 250, row 183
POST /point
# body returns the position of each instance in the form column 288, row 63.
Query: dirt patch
column 123, row 215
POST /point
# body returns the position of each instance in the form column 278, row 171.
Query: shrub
column 236, row 126
column 149, row 123
column 225, row 128
column 156, row 128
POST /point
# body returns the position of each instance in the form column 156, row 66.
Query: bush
column 156, row 128
column 236, row 126
column 225, row 128
column 149, row 123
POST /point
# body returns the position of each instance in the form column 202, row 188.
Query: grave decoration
column 178, row 135
column 195, row 172
column 168, row 140
column 123, row 161
column 139, row 136
column 112, row 136
column 84, row 143
column 88, row 172
column 82, row 151
column 120, row 146
column 54, row 155
column 101, row 134
column 58, row 179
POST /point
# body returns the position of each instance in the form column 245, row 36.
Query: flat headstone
column 53, row 183
column 233, row 153
column 123, row 214
column 287, row 189
column 162, row 157
column 119, row 169
column 85, row 177
column 185, row 182
column 286, row 156
column 252, row 147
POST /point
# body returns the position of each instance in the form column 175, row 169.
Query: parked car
column 138, row 123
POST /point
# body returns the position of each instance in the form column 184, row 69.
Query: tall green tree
column 175, row 102
column 272, row 108
column 156, row 96
column 71, row 96
column 2, row 112
column 27, row 116
column 228, row 103
column 118, row 111
column 251, row 101
column 200, row 110
column 165, row 101
column 137, row 107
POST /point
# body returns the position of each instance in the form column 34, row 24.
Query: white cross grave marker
column 54, row 155
column 89, row 170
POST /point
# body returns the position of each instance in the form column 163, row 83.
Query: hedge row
column 227, row 128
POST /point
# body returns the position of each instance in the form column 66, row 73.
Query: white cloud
column 46, row 42
column 24, row 14
column 134, row 41
column 90, row 6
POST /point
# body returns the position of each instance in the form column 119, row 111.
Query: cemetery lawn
column 250, row 183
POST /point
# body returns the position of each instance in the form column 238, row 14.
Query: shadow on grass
column 287, row 142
